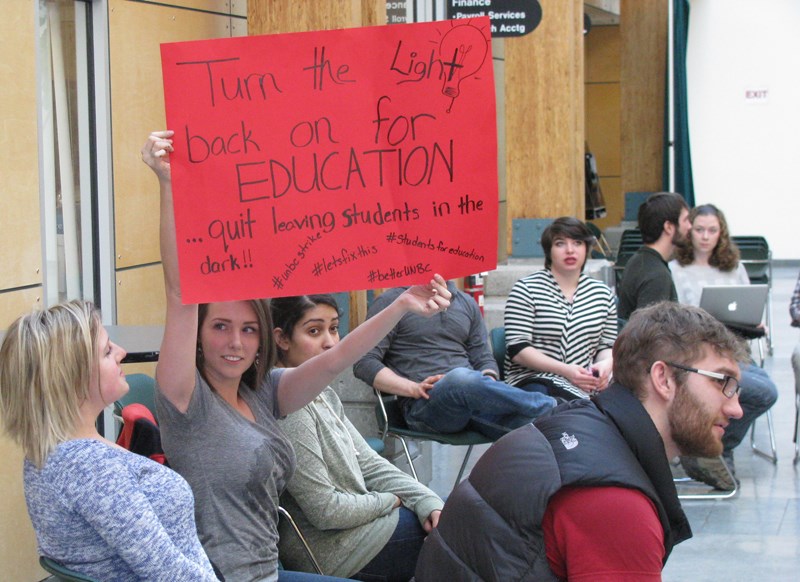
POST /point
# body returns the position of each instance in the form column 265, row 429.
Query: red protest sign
column 333, row 160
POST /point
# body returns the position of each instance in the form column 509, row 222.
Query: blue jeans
column 549, row 389
column 757, row 394
column 397, row 560
column 466, row 398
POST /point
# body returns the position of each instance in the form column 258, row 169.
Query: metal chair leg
column 796, row 426
column 302, row 539
column 773, row 457
column 770, row 349
column 408, row 455
column 711, row 494
column 463, row 466
column 760, row 342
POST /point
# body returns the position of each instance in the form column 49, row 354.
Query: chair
column 498, row 337
column 796, row 426
column 773, row 456
column 290, row 520
column 756, row 256
column 603, row 248
column 376, row 444
column 631, row 237
column 757, row 335
column 142, row 390
column 61, row 572
column 391, row 423
column 795, row 366
column 628, row 246
column 712, row 494
column 633, row 200
column 526, row 240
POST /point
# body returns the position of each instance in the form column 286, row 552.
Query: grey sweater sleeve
column 381, row 475
column 314, row 487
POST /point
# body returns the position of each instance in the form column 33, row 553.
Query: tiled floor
column 755, row 535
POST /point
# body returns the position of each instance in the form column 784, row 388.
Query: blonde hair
column 46, row 362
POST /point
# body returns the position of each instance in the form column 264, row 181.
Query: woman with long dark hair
column 219, row 399
column 364, row 518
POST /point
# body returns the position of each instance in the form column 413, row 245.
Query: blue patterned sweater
column 114, row 515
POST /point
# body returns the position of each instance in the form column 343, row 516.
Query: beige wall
column 544, row 104
column 136, row 29
column 19, row 171
column 603, row 116
column 625, row 76
column 643, row 61
column 20, row 258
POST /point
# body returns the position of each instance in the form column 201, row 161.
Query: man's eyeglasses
column 728, row 384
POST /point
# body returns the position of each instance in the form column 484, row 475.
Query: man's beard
column 679, row 240
column 691, row 426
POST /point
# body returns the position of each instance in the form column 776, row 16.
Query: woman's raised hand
column 155, row 153
column 428, row 299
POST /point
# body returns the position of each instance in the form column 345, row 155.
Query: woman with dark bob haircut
column 219, row 400
column 560, row 323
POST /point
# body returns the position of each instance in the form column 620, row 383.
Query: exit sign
column 759, row 95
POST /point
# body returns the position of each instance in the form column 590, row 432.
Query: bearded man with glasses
column 586, row 491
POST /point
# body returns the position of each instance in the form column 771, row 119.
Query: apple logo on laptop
column 732, row 306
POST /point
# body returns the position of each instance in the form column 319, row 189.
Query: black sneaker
column 710, row 470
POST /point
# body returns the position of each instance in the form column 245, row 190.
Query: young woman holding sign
column 219, row 399
column 364, row 517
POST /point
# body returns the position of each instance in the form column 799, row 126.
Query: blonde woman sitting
column 96, row 508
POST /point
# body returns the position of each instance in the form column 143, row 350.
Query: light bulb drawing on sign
column 463, row 49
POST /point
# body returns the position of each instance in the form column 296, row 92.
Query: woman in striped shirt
column 560, row 323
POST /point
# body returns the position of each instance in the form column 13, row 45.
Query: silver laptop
column 738, row 304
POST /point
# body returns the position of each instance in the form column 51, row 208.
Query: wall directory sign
column 397, row 11
column 333, row 160
column 509, row 17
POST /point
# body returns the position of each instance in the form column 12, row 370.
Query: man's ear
column 280, row 339
column 669, row 228
column 663, row 381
